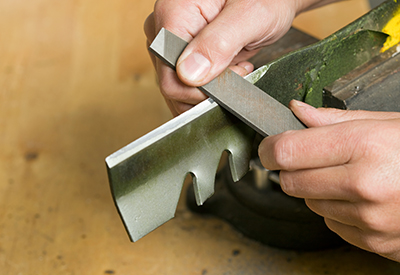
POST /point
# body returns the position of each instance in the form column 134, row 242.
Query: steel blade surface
column 146, row 176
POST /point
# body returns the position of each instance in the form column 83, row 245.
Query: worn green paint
column 304, row 73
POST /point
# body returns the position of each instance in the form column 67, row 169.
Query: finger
column 189, row 96
column 173, row 89
column 368, row 216
column 181, row 107
column 369, row 241
column 344, row 212
column 243, row 68
column 247, row 65
column 313, row 117
column 171, row 107
column 383, row 243
column 177, row 108
column 149, row 30
column 308, row 148
column 192, row 96
column 178, row 96
column 185, row 18
column 323, row 183
column 149, row 27
column 215, row 46
column 244, row 55
column 324, row 146
column 349, row 233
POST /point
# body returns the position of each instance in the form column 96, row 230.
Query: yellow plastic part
column 392, row 28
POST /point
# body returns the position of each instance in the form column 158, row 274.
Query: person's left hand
column 347, row 167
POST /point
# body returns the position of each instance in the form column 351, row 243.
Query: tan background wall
column 76, row 84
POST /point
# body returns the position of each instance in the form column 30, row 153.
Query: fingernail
column 195, row 67
column 301, row 104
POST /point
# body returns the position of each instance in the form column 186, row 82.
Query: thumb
column 314, row 117
column 234, row 30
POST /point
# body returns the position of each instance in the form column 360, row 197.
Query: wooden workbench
column 75, row 85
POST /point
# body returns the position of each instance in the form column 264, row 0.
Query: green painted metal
column 304, row 73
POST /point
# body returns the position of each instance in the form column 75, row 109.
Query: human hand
column 347, row 167
column 221, row 33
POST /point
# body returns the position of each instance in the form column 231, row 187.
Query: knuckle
column 219, row 46
column 372, row 220
column 377, row 243
column 166, row 12
column 362, row 187
column 369, row 242
column 218, row 50
column 159, row 7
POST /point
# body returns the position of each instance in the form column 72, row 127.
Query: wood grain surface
column 76, row 84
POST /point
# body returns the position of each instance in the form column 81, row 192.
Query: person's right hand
column 220, row 33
